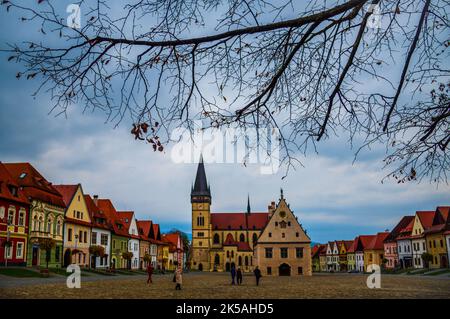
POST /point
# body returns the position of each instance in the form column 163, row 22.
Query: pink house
column 390, row 243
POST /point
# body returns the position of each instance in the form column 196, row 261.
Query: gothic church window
column 216, row 239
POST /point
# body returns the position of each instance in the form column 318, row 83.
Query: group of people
column 236, row 275
column 177, row 278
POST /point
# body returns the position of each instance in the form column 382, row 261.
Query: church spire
column 281, row 193
column 248, row 204
column 200, row 187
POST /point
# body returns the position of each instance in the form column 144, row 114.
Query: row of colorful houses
column 58, row 225
column 419, row 241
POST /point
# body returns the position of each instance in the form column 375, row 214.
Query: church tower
column 201, row 220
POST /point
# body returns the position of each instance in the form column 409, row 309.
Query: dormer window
column 12, row 190
column 23, row 175
column 126, row 220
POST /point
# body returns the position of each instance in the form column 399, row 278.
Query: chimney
column 95, row 199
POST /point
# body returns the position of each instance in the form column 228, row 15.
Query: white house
column 404, row 246
column 133, row 243
column 100, row 234
column 332, row 256
column 422, row 221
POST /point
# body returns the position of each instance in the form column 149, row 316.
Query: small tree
column 96, row 251
column 147, row 258
column 127, row 256
column 47, row 244
column 427, row 258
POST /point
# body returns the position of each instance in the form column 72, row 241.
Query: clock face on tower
column 200, row 206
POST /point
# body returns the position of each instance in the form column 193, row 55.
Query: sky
column 332, row 196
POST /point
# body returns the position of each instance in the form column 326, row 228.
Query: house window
column 49, row 225
column 21, row 217
column 289, row 224
column 269, row 252
column 200, row 221
column 114, row 244
column 69, row 234
column 216, row 239
column 9, row 250
column 19, row 250
column 240, row 260
column 200, row 243
column 94, row 238
column 200, row 234
column 246, row 261
column 283, row 235
column 300, row 270
column 299, row 252
column 80, row 236
column 104, row 239
column 283, row 224
column 423, row 246
column 270, row 234
column 78, row 214
column 442, row 243
column 297, row 234
column 85, row 236
column 11, row 213
column 269, row 270
column 284, row 252
column 74, row 213
column 434, row 244
column 2, row 212
column 430, row 243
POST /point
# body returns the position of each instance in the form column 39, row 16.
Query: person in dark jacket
column 258, row 275
column 239, row 276
column 233, row 274
column 149, row 273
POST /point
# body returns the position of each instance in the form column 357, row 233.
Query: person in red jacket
column 149, row 273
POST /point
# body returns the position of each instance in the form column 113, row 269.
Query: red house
column 14, row 214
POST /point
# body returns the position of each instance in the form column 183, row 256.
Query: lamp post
column 7, row 245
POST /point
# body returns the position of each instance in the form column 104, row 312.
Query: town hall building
column 274, row 241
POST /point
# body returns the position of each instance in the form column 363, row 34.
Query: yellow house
column 435, row 239
column 77, row 226
column 374, row 252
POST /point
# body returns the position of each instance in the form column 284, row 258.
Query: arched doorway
column 216, row 262
column 227, row 267
column 200, row 267
column 67, row 258
column 284, row 270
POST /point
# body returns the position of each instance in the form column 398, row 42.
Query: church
column 274, row 241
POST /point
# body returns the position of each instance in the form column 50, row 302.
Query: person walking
column 233, row 274
column 258, row 275
column 149, row 273
column 239, row 276
column 178, row 279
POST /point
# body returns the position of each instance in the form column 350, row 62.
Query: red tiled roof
column 445, row 212
column 144, row 228
column 34, row 184
column 126, row 217
column 106, row 206
column 156, row 231
column 377, row 242
column 323, row 250
column 239, row 220
column 364, row 241
column 396, row 231
column 353, row 246
column 5, row 180
column 426, row 218
column 241, row 246
column 67, row 192
column 173, row 239
column 77, row 221
column 96, row 214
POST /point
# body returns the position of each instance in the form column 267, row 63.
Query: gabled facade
column 77, row 226
column 119, row 234
column 351, row 255
column 332, row 256
column 14, row 219
column 423, row 220
column 315, row 259
column 323, row 258
column 176, row 250
column 100, row 233
column 390, row 243
column 374, row 252
column 283, row 248
column 46, row 214
column 361, row 246
column 404, row 246
column 343, row 246
column 435, row 238
column 129, row 221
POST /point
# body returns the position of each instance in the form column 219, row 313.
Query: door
column 67, row 258
column 35, row 260
column 200, row 267
column 227, row 267
column 284, row 270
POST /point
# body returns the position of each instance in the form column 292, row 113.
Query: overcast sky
column 333, row 197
